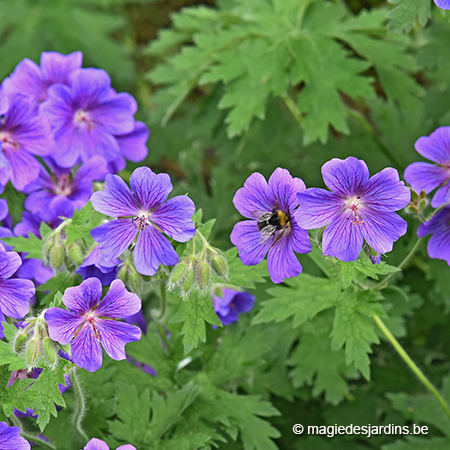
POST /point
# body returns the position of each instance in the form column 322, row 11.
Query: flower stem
column 80, row 408
column 382, row 284
column 29, row 436
column 412, row 365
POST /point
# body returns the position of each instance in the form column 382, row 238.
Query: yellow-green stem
column 411, row 364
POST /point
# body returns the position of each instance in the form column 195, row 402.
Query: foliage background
column 246, row 93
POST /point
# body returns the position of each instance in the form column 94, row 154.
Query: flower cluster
column 357, row 209
column 78, row 126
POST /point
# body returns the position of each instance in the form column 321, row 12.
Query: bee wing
column 258, row 214
column 266, row 233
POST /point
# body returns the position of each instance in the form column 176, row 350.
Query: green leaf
column 355, row 329
column 46, row 387
column 303, row 298
column 406, row 13
column 77, row 228
column 241, row 275
column 193, row 313
column 59, row 283
column 32, row 245
column 327, row 373
column 19, row 396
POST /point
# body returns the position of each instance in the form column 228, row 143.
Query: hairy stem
column 29, row 436
column 80, row 408
column 412, row 365
column 384, row 283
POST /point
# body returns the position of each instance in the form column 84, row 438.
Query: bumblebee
column 270, row 222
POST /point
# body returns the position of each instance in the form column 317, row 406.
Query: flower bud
column 75, row 254
column 220, row 265
column 48, row 245
column 123, row 274
column 20, row 341
column 203, row 275
column 32, row 352
column 188, row 280
column 56, row 256
column 49, row 350
column 177, row 272
column 135, row 282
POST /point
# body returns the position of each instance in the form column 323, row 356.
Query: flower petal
column 342, row 239
column 133, row 145
column 24, row 168
column 247, row 238
column 9, row 263
column 425, row 177
column 254, row 196
column 118, row 302
column 382, row 229
column 86, row 349
column 444, row 4
column 26, row 79
column 345, row 177
column 299, row 238
column 441, row 196
column 153, row 249
column 435, row 147
column 439, row 243
column 174, row 218
column 115, row 335
column 84, row 297
column 114, row 237
column 283, row 188
column 57, row 68
column 116, row 198
column 385, row 192
column 150, row 189
column 14, row 297
column 282, row 262
column 62, row 324
column 318, row 208
column 96, row 444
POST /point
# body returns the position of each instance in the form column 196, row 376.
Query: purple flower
column 96, row 265
column 439, row 227
column 91, row 322
column 30, row 79
column 97, row 444
column 358, row 208
column 143, row 214
column 59, row 192
column 427, row 177
column 444, row 4
column 10, row 438
column 23, row 133
column 14, row 293
column 86, row 116
column 231, row 304
column 273, row 227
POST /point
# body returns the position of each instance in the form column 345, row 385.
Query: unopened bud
column 49, row 350
column 135, row 282
column 123, row 274
column 203, row 275
column 177, row 272
column 56, row 256
column 32, row 352
column 48, row 245
column 220, row 265
column 19, row 341
column 75, row 254
column 188, row 280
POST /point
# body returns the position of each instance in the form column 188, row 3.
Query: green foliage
column 354, row 328
column 78, row 229
column 32, row 245
column 265, row 49
column 406, row 13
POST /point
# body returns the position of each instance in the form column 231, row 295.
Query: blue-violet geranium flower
column 272, row 226
column 97, row 444
column 91, row 323
column 231, row 303
column 426, row 177
column 358, row 208
column 143, row 213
